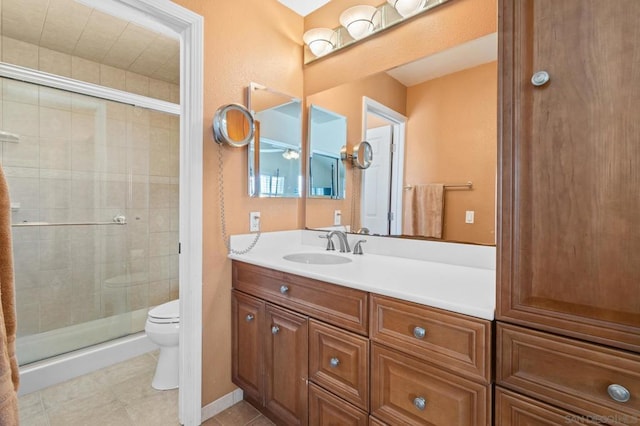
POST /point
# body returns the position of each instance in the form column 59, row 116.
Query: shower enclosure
column 94, row 200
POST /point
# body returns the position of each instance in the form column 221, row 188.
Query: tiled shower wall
column 81, row 159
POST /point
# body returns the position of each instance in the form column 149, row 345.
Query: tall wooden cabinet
column 568, row 306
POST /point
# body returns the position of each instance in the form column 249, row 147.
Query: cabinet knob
column 284, row 289
column 249, row 317
column 420, row 403
column 540, row 78
column 618, row 393
column 334, row 362
column 275, row 329
column 419, row 332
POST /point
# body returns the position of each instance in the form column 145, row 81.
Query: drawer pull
column 284, row 289
column 249, row 317
column 275, row 329
column 334, row 362
column 420, row 403
column 419, row 332
column 618, row 393
column 540, row 78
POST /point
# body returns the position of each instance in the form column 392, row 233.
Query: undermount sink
column 317, row 258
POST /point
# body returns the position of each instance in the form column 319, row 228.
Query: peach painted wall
column 244, row 41
column 452, row 127
column 346, row 100
column 445, row 26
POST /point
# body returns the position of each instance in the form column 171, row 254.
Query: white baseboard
column 221, row 404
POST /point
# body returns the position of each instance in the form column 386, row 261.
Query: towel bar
column 467, row 185
column 117, row 220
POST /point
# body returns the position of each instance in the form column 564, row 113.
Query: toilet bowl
column 162, row 328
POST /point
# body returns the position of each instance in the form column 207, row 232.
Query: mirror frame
column 221, row 129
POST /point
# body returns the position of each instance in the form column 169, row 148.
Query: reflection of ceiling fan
column 275, row 146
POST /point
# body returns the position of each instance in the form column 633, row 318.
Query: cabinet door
column 569, row 240
column 286, row 365
column 247, row 366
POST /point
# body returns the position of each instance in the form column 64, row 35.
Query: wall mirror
column 431, row 122
column 327, row 135
column 275, row 163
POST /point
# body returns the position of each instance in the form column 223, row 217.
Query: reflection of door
column 376, row 182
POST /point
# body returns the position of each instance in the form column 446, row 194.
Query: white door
column 376, row 182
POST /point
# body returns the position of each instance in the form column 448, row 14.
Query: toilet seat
column 167, row 313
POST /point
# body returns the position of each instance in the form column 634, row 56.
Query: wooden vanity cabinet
column 300, row 357
column 270, row 358
column 278, row 321
column 568, row 237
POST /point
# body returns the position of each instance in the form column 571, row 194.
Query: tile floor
column 120, row 395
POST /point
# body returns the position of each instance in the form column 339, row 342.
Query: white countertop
column 452, row 286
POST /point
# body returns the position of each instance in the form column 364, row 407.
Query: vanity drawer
column 326, row 409
column 568, row 373
column 339, row 362
column 513, row 409
column 456, row 342
column 409, row 391
column 341, row 306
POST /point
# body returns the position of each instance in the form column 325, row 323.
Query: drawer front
column 375, row 422
column 513, row 409
column 339, row 362
column 337, row 305
column 456, row 342
column 326, row 409
column 568, row 373
column 408, row 391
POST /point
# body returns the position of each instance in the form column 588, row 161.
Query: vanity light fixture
column 291, row 154
column 407, row 7
column 320, row 40
column 360, row 21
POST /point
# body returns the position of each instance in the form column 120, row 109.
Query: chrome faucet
column 342, row 239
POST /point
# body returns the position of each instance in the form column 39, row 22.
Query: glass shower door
column 94, row 195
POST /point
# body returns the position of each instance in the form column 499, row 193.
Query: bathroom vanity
column 364, row 344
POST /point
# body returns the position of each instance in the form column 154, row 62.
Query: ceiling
column 75, row 29
column 463, row 56
column 304, row 7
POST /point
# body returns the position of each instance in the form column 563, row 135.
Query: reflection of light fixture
column 320, row 40
column 291, row 154
column 406, row 7
column 358, row 20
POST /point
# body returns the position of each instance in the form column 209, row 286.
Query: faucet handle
column 357, row 249
column 330, row 245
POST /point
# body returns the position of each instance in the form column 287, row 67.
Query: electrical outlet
column 337, row 217
column 469, row 216
column 254, row 221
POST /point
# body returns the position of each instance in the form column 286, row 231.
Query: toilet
column 162, row 328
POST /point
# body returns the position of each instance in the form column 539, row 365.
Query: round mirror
column 362, row 155
column 233, row 124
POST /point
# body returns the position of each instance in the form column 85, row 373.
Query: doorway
column 381, row 201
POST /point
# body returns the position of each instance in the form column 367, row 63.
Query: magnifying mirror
column 362, row 155
column 233, row 124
